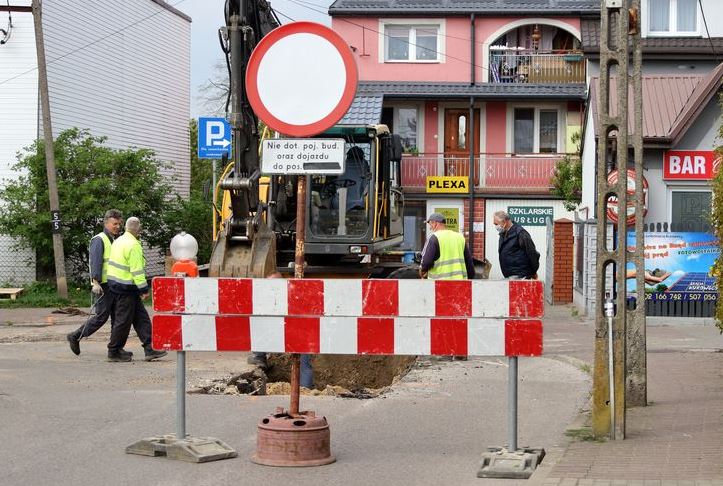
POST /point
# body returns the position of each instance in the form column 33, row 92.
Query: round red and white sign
column 612, row 205
column 301, row 79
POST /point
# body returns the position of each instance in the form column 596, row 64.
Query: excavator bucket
column 244, row 259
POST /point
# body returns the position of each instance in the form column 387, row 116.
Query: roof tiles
column 490, row 7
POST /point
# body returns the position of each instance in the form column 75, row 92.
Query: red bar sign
column 690, row 164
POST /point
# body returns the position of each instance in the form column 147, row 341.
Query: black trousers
column 129, row 309
column 104, row 308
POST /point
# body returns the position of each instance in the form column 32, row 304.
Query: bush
column 91, row 179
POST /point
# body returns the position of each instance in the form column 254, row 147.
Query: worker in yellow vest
column 99, row 252
column 127, row 281
column 445, row 255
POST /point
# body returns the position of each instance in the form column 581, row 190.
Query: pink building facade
column 492, row 91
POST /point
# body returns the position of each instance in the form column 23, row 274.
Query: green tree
column 567, row 179
column 195, row 214
column 717, row 222
column 91, row 179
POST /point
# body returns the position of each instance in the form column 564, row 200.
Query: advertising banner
column 677, row 266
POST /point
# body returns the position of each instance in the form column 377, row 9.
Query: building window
column 673, row 16
column 535, row 130
column 691, row 210
column 403, row 120
column 411, row 43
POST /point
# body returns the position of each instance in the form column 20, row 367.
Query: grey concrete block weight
column 190, row 449
column 498, row 462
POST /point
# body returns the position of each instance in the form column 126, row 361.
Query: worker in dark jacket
column 518, row 256
column 99, row 253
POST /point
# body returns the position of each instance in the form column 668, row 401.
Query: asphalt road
column 66, row 420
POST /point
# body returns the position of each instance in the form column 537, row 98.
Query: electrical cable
column 299, row 3
column 6, row 33
column 705, row 23
column 85, row 46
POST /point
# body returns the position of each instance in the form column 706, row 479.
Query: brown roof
column 670, row 103
column 590, row 33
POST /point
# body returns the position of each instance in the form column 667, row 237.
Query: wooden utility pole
column 55, row 219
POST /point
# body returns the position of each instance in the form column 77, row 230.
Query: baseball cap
column 438, row 217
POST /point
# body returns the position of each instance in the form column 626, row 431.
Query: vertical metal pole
column 298, row 273
column 180, row 395
column 512, row 403
column 609, row 314
column 58, row 251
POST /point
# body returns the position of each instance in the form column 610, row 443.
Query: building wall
column 713, row 10
column 366, row 38
column 132, row 87
column 18, row 127
column 538, row 233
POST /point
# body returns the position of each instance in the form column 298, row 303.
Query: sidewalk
column 678, row 437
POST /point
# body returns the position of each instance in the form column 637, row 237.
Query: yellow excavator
column 350, row 217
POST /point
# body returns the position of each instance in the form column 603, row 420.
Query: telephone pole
column 619, row 376
column 55, row 219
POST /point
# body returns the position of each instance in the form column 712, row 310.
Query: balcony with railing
column 497, row 173
column 528, row 66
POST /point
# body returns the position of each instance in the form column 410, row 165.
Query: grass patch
column 583, row 434
column 586, row 368
column 43, row 294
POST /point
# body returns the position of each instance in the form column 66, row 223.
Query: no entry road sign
column 301, row 79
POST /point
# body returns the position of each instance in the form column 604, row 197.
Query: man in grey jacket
column 99, row 254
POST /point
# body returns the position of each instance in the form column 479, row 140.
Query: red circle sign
column 301, row 79
column 612, row 205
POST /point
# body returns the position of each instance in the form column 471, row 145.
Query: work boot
column 74, row 343
column 258, row 359
column 152, row 354
column 121, row 355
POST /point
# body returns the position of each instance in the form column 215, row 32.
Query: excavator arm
column 245, row 247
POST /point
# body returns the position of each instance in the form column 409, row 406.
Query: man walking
column 445, row 255
column 518, row 256
column 127, row 281
column 99, row 253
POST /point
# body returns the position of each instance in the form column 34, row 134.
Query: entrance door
column 456, row 143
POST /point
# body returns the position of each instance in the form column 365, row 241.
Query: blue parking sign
column 214, row 138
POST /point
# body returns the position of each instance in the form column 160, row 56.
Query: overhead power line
column 89, row 44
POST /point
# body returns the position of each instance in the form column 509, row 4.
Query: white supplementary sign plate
column 303, row 156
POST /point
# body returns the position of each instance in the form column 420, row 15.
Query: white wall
column 538, row 233
column 18, row 126
column 589, row 155
column 133, row 86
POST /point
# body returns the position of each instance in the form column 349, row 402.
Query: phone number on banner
column 682, row 296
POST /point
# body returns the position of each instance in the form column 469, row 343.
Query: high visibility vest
column 106, row 255
column 450, row 265
column 127, row 265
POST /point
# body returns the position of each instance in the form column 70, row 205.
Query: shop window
column 691, row 210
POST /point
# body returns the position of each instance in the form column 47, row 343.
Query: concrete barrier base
column 498, row 462
column 190, row 449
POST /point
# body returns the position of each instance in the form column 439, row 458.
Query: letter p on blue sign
column 214, row 138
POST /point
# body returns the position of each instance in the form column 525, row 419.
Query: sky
column 207, row 17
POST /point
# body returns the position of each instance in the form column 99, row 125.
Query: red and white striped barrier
column 349, row 298
column 404, row 317
column 349, row 335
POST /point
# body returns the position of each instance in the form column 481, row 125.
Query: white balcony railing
column 501, row 172
column 510, row 65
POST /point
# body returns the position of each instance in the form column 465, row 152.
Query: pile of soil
column 347, row 371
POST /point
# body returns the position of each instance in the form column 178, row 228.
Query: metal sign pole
column 298, row 273
column 181, row 395
column 512, row 403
